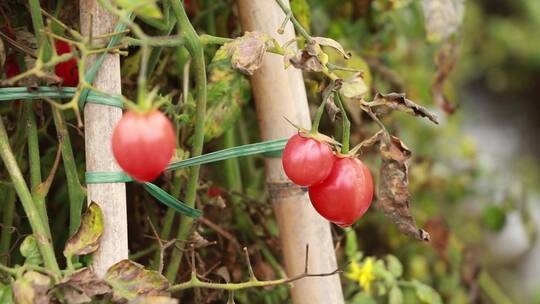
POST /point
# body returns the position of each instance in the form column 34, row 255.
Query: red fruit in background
column 143, row 144
column 11, row 67
column 346, row 194
column 66, row 70
column 307, row 161
column 214, row 191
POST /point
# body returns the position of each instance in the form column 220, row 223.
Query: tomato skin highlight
column 307, row 161
column 143, row 144
column 346, row 194
column 66, row 70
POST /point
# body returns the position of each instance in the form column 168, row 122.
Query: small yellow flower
column 362, row 273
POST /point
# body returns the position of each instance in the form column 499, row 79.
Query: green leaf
column 143, row 8
column 30, row 250
column 86, row 239
column 426, row 294
column 6, row 294
column 362, row 298
column 395, row 296
column 130, row 280
column 494, row 217
column 31, row 288
column 394, row 266
column 351, row 245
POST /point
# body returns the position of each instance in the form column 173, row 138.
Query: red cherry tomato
column 214, row 191
column 66, row 70
column 307, row 161
column 143, row 144
column 346, row 194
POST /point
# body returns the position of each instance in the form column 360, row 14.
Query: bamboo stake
column 278, row 94
column 99, row 121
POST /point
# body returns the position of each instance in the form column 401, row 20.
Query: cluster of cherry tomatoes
column 340, row 186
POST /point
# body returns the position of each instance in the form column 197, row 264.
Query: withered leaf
column 442, row 17
column 32, row 288
column 323, row 41
column 82, row 285
column 307, row 58
column 398, row 102
column 130, row 280
column 153, row 300
column 354, row 87
column 331, row 108
column 445, row 60
column 394, row 197
column 247, row 52
column 86, row 239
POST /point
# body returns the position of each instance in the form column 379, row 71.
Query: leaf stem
column 296, row 24
column 38, row 226
column 195, row 48
column 346, row 132
column 76, row 192
column 35, row 165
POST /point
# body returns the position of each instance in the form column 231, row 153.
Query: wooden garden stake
column 99, row 122
column 280, row 93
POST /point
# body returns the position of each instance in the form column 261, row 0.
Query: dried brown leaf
column 82, row 285
column 31, row 288
column 394, row 197
column 247, row 52
column 331, row 108
column 445, row 60
column 398, row 102
column 307, row 58
column 153, row 300
column 323, row 41
column 130, row 280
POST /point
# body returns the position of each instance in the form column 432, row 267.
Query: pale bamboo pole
column 99, row 122
column 279, row 93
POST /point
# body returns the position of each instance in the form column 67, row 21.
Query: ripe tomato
column 143, row 144
column 346, row 194
column 66, row 70
column 307, row 161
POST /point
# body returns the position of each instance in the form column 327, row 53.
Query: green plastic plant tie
column 91, row 73
column 271, row 146
column 171, row 201
column 16, row 93
column 106, row 177
column 155, row 191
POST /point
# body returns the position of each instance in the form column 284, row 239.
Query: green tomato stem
column 196, row 50
column 346, row 132
column 38, row 226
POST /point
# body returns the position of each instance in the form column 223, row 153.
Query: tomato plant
column 143, row 144
column 346, row 194
column 307, row 161
column 66, row 70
